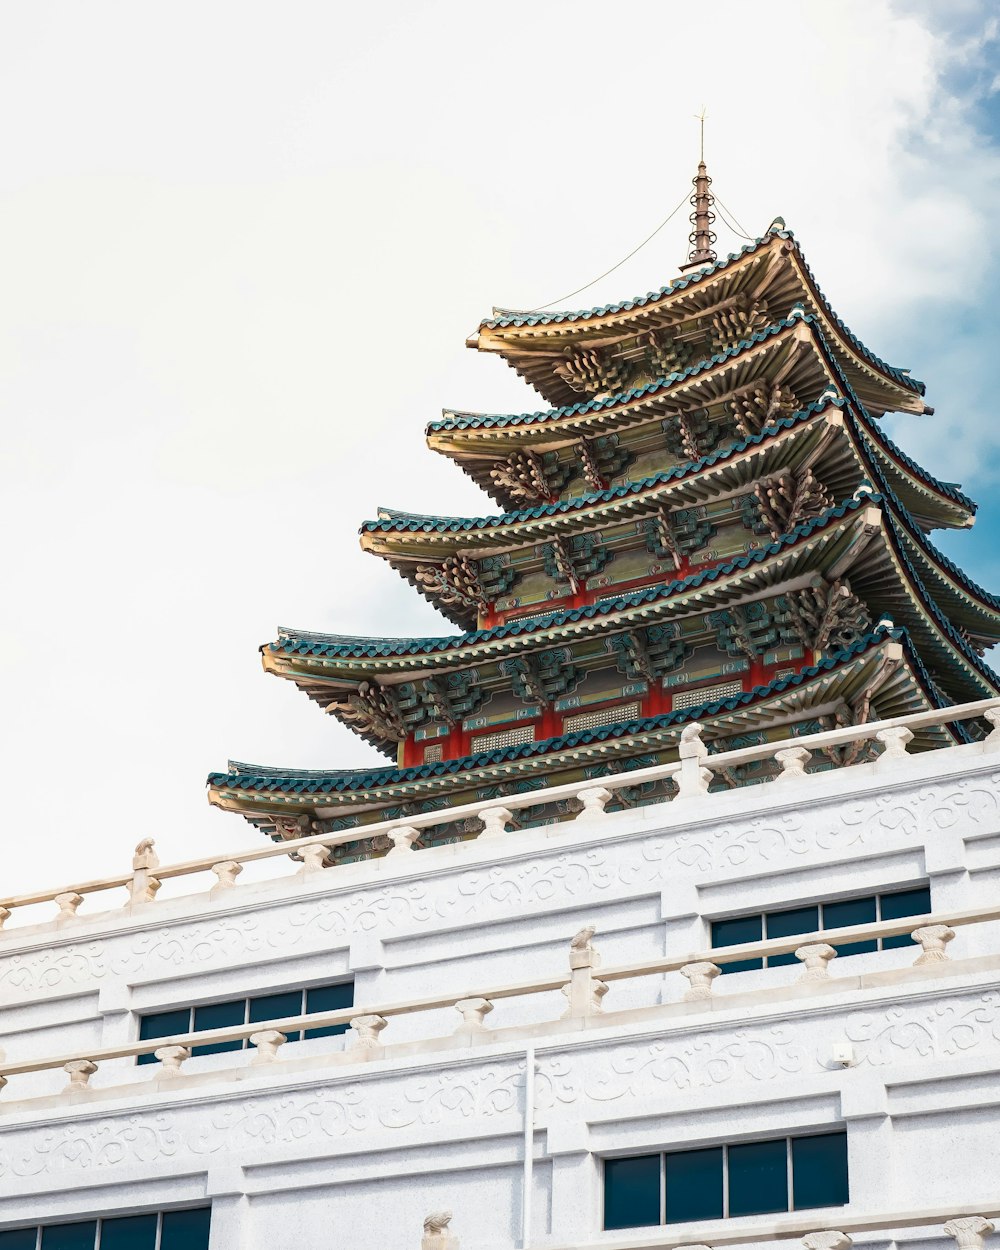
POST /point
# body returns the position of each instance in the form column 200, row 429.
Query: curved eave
column 531, row 343
column 260, row 794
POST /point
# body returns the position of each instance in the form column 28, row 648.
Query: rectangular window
column 158, row 1230
column 866, row 909
column 706, row 694
column 258, row 1010
column 719, row 1182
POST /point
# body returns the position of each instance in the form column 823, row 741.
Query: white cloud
column 241, row 248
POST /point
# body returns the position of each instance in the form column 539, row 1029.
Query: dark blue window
column 758, row 1177
column 70, row 1236
column 746, row 1178
column 735, row 933
column 276, row 1007
column 903, row 903
column 219, row 1016
column 781, row 924
column 694, row 1185
column 632, row 1191
column 185, row 1230
column 258, row 1010
column 819, row 1171
column 329, row 998
column 852, row 911
column 129, row 1232
column 19, row 1239
column 162, row 1024
column 866, row 909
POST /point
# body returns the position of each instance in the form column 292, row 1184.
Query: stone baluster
column 4, row 916
column 693, row 778
column 143, row 886
column 816, row 956
column 894, row 742
column 991, row 743
column 402, row 838
column 827, row 1239
column 171, row 1058
column 226, row 872
column 313, row 857
column 437, row 1235
column 67, row 904
column 584, row 991
column 933, row 938
column 969, row 1231
column 79, row 1072
column 268, row 1042
column 3, row 1082
column 700, row 975
column 473, row 1012
column 367, row 1030
column 494, row 821
column 793, row 761
column 594, row 800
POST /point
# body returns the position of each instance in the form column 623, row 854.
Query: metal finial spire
column 702, row 236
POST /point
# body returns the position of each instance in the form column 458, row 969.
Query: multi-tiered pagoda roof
column 709, row 523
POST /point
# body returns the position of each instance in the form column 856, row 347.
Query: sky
column 241, row 247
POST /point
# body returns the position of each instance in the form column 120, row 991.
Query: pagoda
column 706, row 521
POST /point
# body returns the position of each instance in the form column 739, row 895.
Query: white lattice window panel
column 707, row 694
column 606, row 716
column 434, row 754
column 504, row 738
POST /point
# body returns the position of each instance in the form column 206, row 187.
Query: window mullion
column 663, row 1189
column 725, row 1182
column 159, row 1230
column 789, row 1176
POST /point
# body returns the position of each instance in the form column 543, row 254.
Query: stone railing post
column 143, row 886
column 969, row 1231
column 402, row 839
column 793, row 761
column 436, row 1235
column 67, row 904
column 594, row 800
column 79, row 1072
column 584, row 991
column 313, row 858
column 693, row 779
column 894, row 742
column 700, row 975
column 367, row 1030
column 933, row 938
column 816, row 957
column 226, row 874
column 4, row 916
column 473, row 1012
column 268, row 1042
column 494, row 821
column 171, row 1058
column 828, row 1239
column 991, row 743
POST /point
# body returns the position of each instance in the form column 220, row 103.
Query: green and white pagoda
column 707, row 522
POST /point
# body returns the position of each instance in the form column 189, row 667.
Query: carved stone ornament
column 79, row 1072
column 473, row 1012
column 700, row 977
column 436, row 1235
column 816, row 956
column 969, row 1231
column 828, row 1239
column 367, row 1030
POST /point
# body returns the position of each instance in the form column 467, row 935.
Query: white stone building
column 468, row 1083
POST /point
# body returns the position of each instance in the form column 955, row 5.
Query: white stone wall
column 332, row 1143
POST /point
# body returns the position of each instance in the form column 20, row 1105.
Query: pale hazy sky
column 241, row 246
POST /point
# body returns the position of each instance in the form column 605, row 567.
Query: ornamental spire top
column 702, row 236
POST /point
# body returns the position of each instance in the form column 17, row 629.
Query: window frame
column 790, row 1208
column 776, row 961
column 244, row 1044
column 99, row 1221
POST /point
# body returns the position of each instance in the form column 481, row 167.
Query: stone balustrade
column 582, row 987
column 693, row 775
